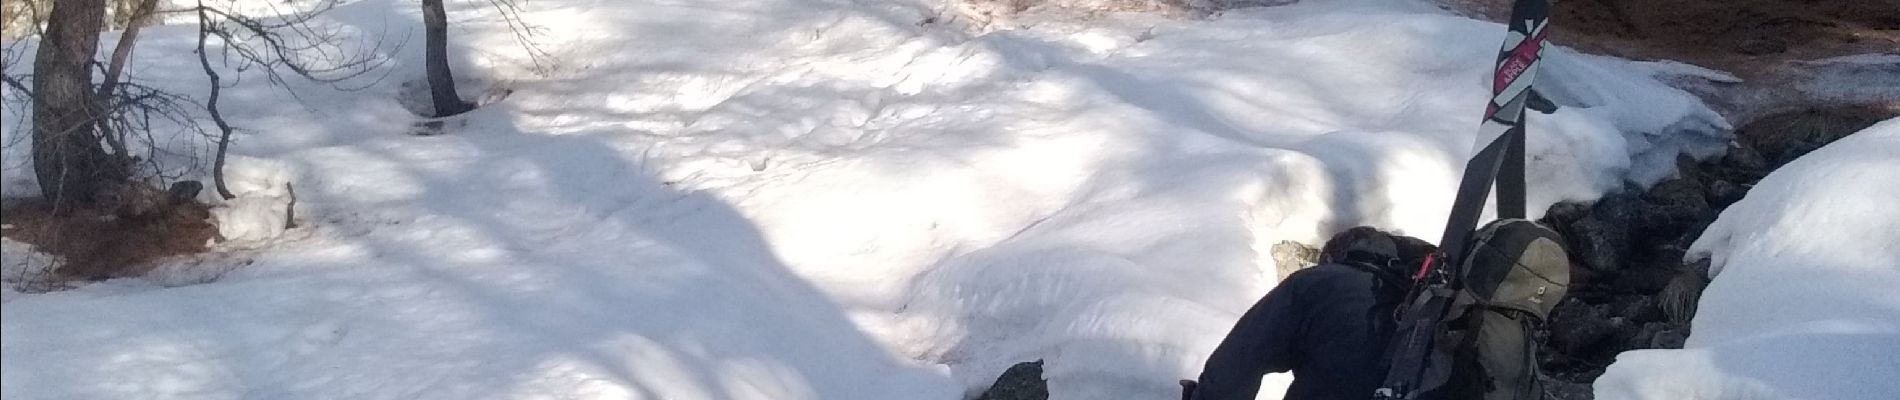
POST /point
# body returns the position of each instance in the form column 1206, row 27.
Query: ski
column 1499, row 158
column 1500, row 155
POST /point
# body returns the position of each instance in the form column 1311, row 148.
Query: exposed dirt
column 1782, row 137
column 95, row 245
column 1750, row 38
column 1770, row 46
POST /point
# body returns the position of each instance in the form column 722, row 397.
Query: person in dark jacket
column 1329, row 324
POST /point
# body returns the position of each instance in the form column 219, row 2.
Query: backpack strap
column 1384, row 267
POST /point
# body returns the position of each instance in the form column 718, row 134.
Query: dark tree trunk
column 436, row 59
column 67, row 156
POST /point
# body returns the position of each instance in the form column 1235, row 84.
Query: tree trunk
column 67, row 156
column 135, row 16
column 121, row 54
column 436, row 60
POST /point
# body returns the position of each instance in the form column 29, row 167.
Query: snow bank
column 806, row 199
column 264, row 196
column 1802, row 305
column 252, row 217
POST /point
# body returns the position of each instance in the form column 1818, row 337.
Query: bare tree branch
column 211, row 104
column 524, row 33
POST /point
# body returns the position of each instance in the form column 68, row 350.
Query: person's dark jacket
column 1329, row 324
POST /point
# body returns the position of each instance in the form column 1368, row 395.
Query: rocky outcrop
column 1632, row 287
column 1022, row 381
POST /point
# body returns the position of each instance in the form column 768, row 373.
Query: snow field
column 818, row 199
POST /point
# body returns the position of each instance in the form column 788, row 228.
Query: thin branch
column 15, row 84
column 285, row 43
column 523, row 31
column 211, row 104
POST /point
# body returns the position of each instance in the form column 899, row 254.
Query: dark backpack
column 1513, row 273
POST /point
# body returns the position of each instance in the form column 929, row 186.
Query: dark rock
column 1669, row 255
column 1675, row 199
column 1622, row 333
column 1656, row 335
column 1688, row 169
column 1745, row 158
column 1584, row 283
column 1672, row 206
column 1577, row 329
column 1601, row 245
column 1559, row 389
column 1662, row 223
column 1636, row 308
column 1601, row 239
column 1721, row 193
column 1644, row 281
column 183, row 191
column 1022, row 381
column 1762, row 46
column 1642, row 336
column 1565, row 214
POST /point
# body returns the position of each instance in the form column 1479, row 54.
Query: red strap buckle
column 1425, row 266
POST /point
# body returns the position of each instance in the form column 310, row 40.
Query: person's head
column 1357, row 243
column 1369, row 244
column 1413, row 251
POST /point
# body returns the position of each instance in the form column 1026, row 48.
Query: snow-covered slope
column 1803, row 304
column 818, row 199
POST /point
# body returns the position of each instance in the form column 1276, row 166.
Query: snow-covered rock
column 1802, row 302
column 264, row 196
column 252, row 217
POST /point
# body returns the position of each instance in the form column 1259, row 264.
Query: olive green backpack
column 1513, row 273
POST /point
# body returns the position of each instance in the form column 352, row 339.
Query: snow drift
column 1802, row 304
